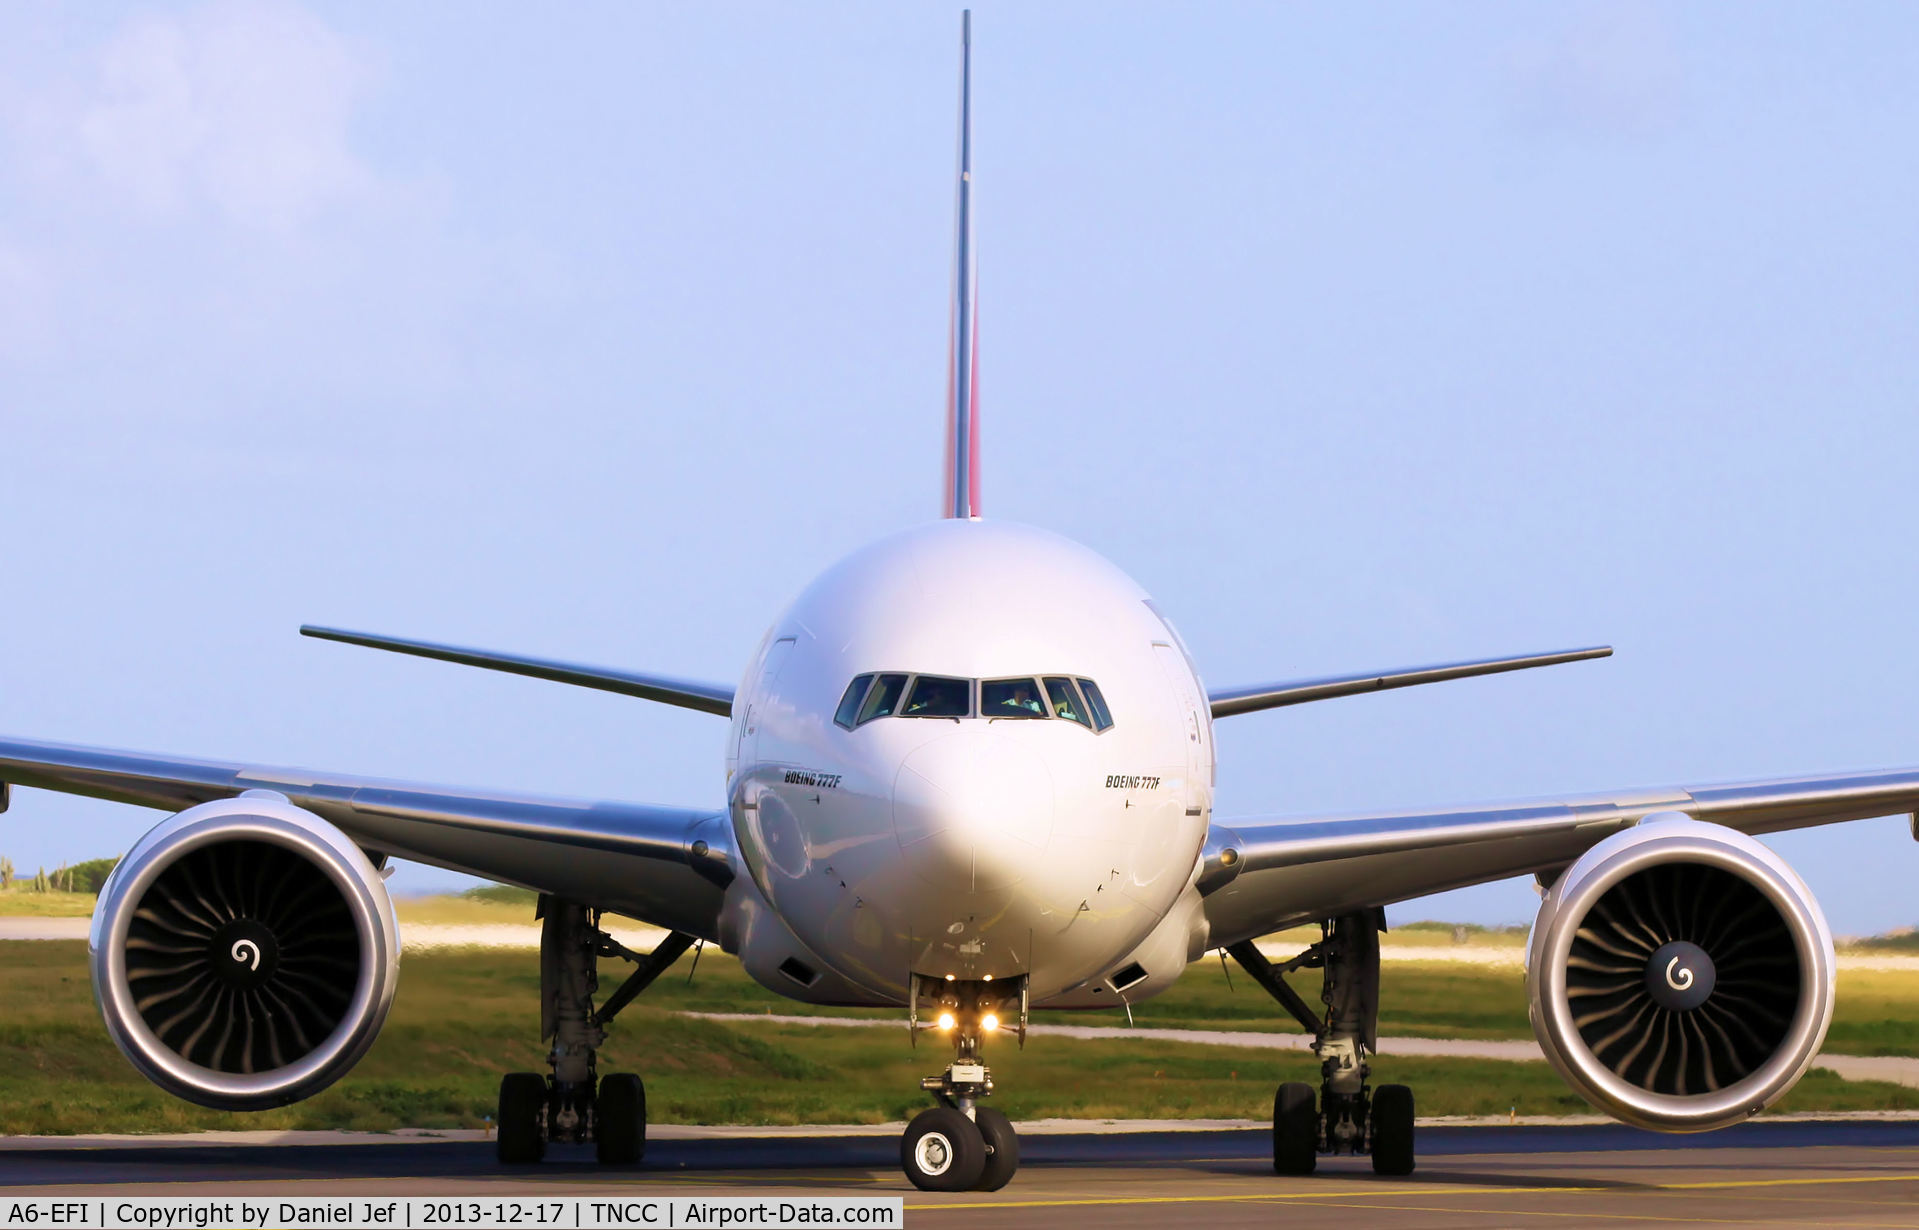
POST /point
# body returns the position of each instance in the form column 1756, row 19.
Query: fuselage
column 972, row 749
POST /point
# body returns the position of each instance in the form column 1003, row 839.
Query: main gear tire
column 522, row 1118
column 1392, row 1116
column 1295, row 1129
column 620, row 1120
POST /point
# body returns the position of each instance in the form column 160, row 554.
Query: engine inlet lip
column 1711, row 845
column 272, row 819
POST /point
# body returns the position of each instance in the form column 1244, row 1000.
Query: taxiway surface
column 1830, row 1173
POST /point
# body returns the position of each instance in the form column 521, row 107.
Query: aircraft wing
column 1231, row 702
column 686, row 693
column 664, row 865
column 1292, row 870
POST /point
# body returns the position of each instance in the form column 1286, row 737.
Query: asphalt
column 1833, row 1173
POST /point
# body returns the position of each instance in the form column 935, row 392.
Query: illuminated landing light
column 949, row 978
column 989, row 1022
column 989, row 978
column 946, row 1020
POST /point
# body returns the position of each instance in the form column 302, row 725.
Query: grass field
column 463, row 1017
column 487, row 905
column 24, row 903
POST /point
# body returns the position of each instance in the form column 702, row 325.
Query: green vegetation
column 466, row 910
column 87, row 877
column 463, row 1017
column 64, row 892
column 46, row 895
column 1877, row 1014
column 1904, row 940
column 21, row 901
column 503, row 894
column 1429, row 934
column 1877, row 1011
column 1417, row 999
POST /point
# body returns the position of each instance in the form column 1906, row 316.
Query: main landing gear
column 574, row 1104
column 959, row 1145
column 1351, row 1117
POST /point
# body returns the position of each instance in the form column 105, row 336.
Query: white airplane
column 970, row 774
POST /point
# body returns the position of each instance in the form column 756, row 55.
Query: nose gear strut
column 1351, row 1117
column 960, row 1145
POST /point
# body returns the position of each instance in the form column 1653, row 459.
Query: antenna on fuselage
column 962, row 353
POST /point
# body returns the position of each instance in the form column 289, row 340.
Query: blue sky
column 1362, row 337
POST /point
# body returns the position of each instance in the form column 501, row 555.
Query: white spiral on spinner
column 247, row 953
column 1681, row 983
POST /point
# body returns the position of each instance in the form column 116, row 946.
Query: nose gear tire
column 1002, row 1149
column 1392, row 1130
column 1295, row 1129
column 620, row 1120
column 521, row 1122
column 942, row 1151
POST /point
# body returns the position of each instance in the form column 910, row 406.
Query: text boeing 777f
column 970, row 772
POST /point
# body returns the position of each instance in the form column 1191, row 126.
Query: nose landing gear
column 1351, row 1117
column 959, row 1145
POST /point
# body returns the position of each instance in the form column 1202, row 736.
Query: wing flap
column 1299, row 869
column 664, row 865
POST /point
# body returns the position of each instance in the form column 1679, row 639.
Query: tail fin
column 962, row 356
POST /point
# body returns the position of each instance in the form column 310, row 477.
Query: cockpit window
column 1069, row 698
column 1010, row 698
column 1102, row 717
column 849, row 709
column 884, row 698
column 935, row 696
column 1065, row 700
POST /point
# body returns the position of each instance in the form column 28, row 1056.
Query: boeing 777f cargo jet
column 950, row 793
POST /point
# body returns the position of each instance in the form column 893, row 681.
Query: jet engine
column 1680, row 975
column 244, row 953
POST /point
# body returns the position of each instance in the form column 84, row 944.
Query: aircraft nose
column 973, row 810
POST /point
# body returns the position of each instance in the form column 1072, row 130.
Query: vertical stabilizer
column 962, row 356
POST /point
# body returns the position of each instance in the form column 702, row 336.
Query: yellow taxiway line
column 1428, row 1190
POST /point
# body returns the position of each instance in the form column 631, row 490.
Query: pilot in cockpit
column 1011, row 698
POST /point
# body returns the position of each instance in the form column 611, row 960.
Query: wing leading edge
column 1228, row 702
column 1297, row 869
column 687, row 694
column 1234, row 701
column 664, row 865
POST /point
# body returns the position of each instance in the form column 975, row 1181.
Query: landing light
column 989, row 1022
column 946, row 1020
column 949, row 978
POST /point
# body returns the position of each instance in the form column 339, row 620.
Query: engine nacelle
column 1680, row 975
column 244, row 953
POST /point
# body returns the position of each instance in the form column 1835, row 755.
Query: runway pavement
column 1863, row 1173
